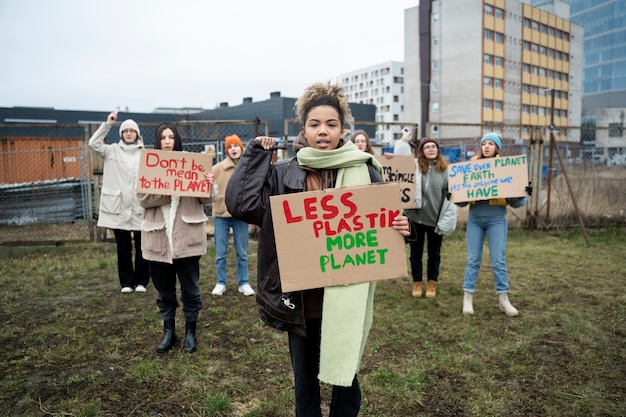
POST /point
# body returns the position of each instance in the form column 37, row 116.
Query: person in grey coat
column 119, row 209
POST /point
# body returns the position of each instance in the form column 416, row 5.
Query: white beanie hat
column 130, row 124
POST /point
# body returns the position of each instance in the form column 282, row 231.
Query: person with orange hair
column 223, row 222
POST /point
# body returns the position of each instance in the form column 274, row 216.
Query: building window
column 488, row 10
column 435, row 107
column 499, row 13
column 497, row 61
column 489, row 34
column 497, row 105
column 487, row 82
column 527, row 23
column 487, row 104
column 435, row 65
column 497, row 83
column 435, row 85
column 525, row 108
column 526, row 88
column 498, row 37
column 488, row 59
column 435, row 17
column 435, row 41
column 396, row 99
column 616, row 130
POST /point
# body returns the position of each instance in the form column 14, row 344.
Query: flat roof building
column 506, row 66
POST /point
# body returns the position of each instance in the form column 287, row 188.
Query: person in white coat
column 119, row 209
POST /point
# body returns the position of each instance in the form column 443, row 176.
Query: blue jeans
column 496, row 230
column 240, row 236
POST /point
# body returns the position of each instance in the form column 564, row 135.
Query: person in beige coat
column 224, row 222
column 174, row 239
column 119, row 208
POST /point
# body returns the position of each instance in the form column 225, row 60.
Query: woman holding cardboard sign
column 325, row 341
column 487, row 218
column 432, row 218
column 174, row 239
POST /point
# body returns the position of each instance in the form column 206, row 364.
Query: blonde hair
column 320, row 94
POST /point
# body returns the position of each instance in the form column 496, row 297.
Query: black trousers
column 164, row 280
column 305, row 359
column 130, row 276
column 417, row 250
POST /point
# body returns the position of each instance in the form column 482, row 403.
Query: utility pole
column 550, row 149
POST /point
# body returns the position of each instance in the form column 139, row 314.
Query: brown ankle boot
column 431, row 289
column 418, row 287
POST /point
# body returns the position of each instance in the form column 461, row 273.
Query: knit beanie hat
column 424, row 141
column 130, row 124
column 233, row 139
column 494, row 137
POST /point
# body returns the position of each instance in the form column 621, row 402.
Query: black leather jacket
column 247, row 198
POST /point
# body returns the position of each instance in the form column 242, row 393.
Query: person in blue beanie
column 487, row 218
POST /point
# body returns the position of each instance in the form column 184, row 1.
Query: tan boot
column 418, row 287
column 431, row 289
column 505, row 306
column 468, row 299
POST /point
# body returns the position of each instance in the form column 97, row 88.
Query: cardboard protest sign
column 173, row 173
column 401, row 168
column 487, row 178
column 338, row 236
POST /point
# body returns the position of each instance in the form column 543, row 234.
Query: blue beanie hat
column 494, row 137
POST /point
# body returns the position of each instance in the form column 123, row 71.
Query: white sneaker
column 219, row 289
column 127, row 289
column 246, row 290
column 140, row 288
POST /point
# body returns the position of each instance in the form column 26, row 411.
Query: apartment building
column 504, row 66
column 383, row 86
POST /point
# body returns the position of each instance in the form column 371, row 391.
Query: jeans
column 164, row 280
column 240, row 236
column 496, row 230
column 130, row 276
column 417, row 250
column 305, row 360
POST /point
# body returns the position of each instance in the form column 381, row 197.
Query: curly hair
column 320, row 94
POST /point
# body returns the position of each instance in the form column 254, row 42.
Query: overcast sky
column 144, row 54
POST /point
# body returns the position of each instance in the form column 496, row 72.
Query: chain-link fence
column 579, row 181
column 50, row 179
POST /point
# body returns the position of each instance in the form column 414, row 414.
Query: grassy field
column 72, row 345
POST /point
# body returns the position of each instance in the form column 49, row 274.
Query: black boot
column 189, row 345
column 169, row 336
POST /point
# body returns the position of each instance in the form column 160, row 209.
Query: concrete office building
column 383, row 86
column 503, row 66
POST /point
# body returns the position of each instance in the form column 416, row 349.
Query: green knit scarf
column 347, row 311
